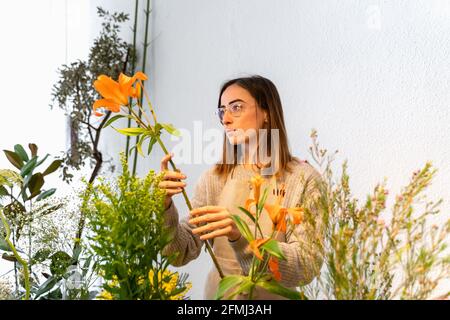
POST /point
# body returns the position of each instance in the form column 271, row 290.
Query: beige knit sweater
column 302, row 247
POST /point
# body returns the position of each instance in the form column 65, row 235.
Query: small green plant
column 24, row 194
column 127, row 233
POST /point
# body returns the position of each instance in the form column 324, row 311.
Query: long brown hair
column 267, row 98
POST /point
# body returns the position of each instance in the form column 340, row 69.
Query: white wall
column 37, row 38
column 372, row 76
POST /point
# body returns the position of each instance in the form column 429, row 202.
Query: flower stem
column 133, row 66
column 24, row 264
column 144, row 62
column 189, row 205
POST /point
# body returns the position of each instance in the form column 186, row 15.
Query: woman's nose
column 227, row 118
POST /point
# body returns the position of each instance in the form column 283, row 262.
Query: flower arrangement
column 264, row 271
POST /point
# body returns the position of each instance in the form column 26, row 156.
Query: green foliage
column 128, row 234
column 373, row 254
column 75, row 93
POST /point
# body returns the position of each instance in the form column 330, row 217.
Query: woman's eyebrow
column 237, row 100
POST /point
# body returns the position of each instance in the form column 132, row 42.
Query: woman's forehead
column 233, row 93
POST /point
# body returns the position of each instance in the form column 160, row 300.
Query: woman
column 246, row 107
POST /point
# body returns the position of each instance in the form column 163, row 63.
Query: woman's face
column 248, row 119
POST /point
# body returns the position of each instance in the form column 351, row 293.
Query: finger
column 212, row 226
column 206, row 209
column 165, row 160
column 209, row 217
column 171, row 192
column 217, row 233
column 175, row 175
column 171, row 184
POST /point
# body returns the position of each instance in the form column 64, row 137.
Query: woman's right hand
column 171, row 181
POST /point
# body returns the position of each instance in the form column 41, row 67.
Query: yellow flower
column 105, row 295
column 116, row 93
column 170, row 285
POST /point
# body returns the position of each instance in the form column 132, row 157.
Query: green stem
column 18, row 257
column 189, row 205
column 133, row 67
column 14, row 243
column 144, row 62
column 29, row 236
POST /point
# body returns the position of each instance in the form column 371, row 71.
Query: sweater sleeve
column 303, row 248
column 185, row 245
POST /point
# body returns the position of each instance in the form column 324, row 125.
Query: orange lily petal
column 257, row 181
column 297, row 214
column 136, row 92
column 111, row 90
column 140, row 75
column 274, row 268
column 248, row 204
column 104, row 103
column 125, row 80
column 254, row 246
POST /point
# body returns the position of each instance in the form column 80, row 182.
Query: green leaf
column 151, row 144
column 3, row 191
column 14, row 209
column 52, row 167
column 60, row 262
column 10, row 177
column 276, row 288
column 9, row 257
column 131, row 131
column 273, row 248
column 139, row 144
column 33, row 149
column 40, row 162
column 4, row 245
column 243, row 227
column 35, row 184
column 171, row 129
column 76, row 253
column 14, row 158
column 41, row 255
column 263, row 199
column 246, row 285
column 28, row 167
column 226, row 284
column 20, row 151
column 248, row 214
column 113, row 119
column 46, row 286
column 26, row 181
column 46, row 194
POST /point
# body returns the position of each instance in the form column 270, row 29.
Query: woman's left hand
column 212, row 222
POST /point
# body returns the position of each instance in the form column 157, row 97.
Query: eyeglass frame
column 224, row 109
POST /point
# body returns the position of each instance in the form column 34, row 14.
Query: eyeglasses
column 235, row 109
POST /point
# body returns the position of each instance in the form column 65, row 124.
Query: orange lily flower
column 256, row 181
column 278, row 213
column 116, row 93
column 254, row 246
column 274, row 268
